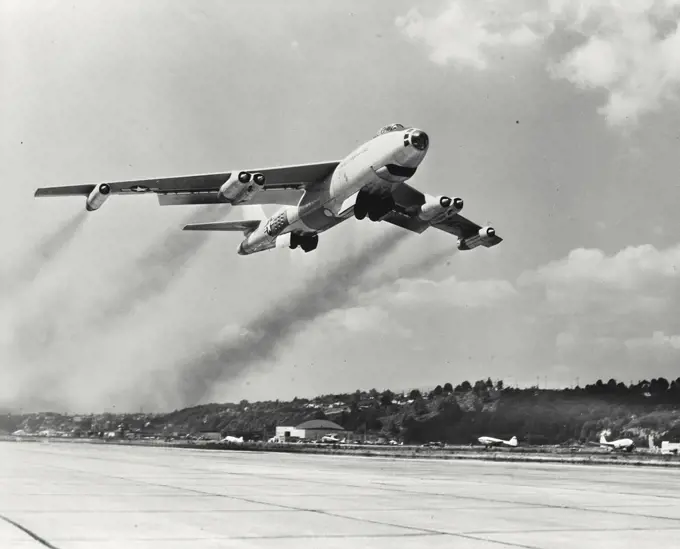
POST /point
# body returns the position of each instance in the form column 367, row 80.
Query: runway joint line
column 25, row 530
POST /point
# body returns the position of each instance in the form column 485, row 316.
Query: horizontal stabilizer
column 246, row 226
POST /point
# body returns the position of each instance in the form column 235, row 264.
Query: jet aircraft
column 369, row 182
column 491, row 441
column 622, row 444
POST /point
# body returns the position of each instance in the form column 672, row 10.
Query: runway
column 78, row 496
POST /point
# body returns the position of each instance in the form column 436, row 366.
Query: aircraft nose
column 420, row 140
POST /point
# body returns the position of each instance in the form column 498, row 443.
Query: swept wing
column 407, row 205
column 283, row 185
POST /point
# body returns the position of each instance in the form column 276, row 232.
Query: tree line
column 453, row 414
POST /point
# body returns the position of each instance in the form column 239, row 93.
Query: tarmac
column 98, row 496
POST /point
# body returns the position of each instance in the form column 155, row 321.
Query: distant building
column 670, row 447
column 312, row 430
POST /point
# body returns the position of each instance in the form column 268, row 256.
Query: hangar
column 313, row 429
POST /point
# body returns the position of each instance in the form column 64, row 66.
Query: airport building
column 670, row 447
column 312, row 430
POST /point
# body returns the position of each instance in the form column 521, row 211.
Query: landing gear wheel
column 309, row 243
column 381, row 209
column 359, row 211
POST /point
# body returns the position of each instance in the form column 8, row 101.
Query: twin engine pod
column 242, row 186
column 97, row 197
column 442, row 206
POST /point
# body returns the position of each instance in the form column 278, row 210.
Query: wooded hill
column 458, row 415
column 455, row 415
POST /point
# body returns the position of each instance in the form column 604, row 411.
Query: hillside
column 454, row 415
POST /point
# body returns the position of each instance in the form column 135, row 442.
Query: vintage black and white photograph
column 339, row 274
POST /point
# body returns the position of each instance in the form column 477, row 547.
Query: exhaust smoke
column 155, row 270
column 44, row 253
column 262, row 336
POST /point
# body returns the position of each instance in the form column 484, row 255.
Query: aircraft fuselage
column 383, row 162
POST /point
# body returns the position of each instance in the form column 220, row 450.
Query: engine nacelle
column 483, row 235
column 487, row 232
column 441, row 206
column 242, row 186
column 97, row 197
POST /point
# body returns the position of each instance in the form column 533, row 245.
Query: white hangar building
column 313, row 429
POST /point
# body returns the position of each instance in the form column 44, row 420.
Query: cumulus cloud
column 565, row 340
column 627, row 269
column 629, row 49
column 597, row 305
column 454, row 292
column 632, row 268
column 465, row 32
column 656, row 340
column 370, row 319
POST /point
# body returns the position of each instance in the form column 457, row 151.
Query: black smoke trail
column 262, row 336
column 23, row 273
column 155, row 270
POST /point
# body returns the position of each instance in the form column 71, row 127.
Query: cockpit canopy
column 390, row 128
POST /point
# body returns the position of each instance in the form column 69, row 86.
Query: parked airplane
column 622, row 444
column 369, row 182
column 233, row 440
column 491, row 441
column 330, row 438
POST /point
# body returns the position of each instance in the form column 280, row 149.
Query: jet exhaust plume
column 263, row 335
column 44, row 253
column 415, row 269
column 36, row 330
column 157, row 267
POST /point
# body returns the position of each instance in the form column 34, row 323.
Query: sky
column 557, row 123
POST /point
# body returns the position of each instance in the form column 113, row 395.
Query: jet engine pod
column 242, row 187
column 487, row 232
column 437, row 206
column 97, row 197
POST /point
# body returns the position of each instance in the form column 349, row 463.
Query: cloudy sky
column 557, row 121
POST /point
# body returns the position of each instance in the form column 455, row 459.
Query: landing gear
column 360, row 210
column 375, row 206
column 308, row 242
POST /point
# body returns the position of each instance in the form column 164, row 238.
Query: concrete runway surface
column 78, row 496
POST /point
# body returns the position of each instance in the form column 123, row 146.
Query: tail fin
column 603, row 440
column 513, row 441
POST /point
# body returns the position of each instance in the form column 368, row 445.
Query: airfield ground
column 76, row 496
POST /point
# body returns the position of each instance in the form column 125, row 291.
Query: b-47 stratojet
column 369, row 182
